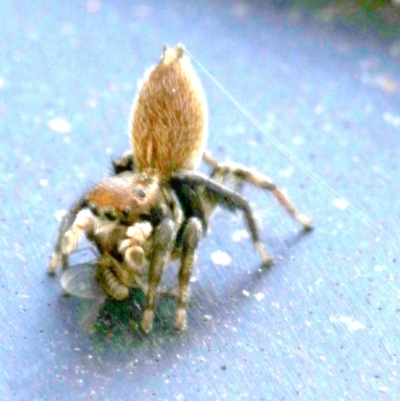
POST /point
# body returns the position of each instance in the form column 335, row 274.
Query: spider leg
column 192, row 234
column 224, row 197
column 123, row 163
column 245, row 174
column 164, row 237
column 66, row 224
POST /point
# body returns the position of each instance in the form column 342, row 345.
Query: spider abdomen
column 169, row 118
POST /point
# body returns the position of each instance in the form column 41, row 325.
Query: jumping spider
column 156, row 207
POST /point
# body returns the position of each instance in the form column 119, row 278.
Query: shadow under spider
column 115, row 325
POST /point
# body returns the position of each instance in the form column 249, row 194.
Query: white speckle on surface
column 341, row 204
column 238, row 235
column 43, row 182
column 245, row 293
column 379, row 268
column 378, row 170
column 259, row 296
column 67, row 139
column 276, row 305
column 298, row 140
column 221, row 258
column 288, row 172
column 59, row 124
column 207, row 318
column 2, row 82
column 318, row 109
column 93, row 102
column 383, row 389
column 392, row 119
column 59, row 214
column 352, row 325
column 68, row 29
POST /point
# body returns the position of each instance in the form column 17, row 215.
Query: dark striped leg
column 191, row 237
column 225, row 197
column 164, row 237
column 259, row 180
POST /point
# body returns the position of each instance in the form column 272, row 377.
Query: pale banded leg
column 69, row 236
column 65, row 225
column 164, row 238
column 192, row 234
column 259, row 180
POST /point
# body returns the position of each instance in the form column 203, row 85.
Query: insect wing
column 80, row 281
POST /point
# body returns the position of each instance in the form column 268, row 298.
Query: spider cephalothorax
column 157, row 207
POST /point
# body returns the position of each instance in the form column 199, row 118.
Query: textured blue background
column 323, row 323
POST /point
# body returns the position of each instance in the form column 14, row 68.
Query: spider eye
column 125, row 213
column 110, row 213
column 140, row 193
column 93, row 208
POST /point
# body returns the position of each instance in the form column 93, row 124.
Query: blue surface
column 323, row 322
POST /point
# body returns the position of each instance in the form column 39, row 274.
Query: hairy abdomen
column 169, row 118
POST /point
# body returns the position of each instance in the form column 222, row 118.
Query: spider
column 156, row 207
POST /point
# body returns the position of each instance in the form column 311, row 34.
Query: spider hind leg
column 216, row 194
column 244, row 174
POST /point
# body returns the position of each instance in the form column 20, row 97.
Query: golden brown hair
column 170, row 116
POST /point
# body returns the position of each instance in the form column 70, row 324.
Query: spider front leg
column 74, row 224
column 164, row 238
column 191, row 236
